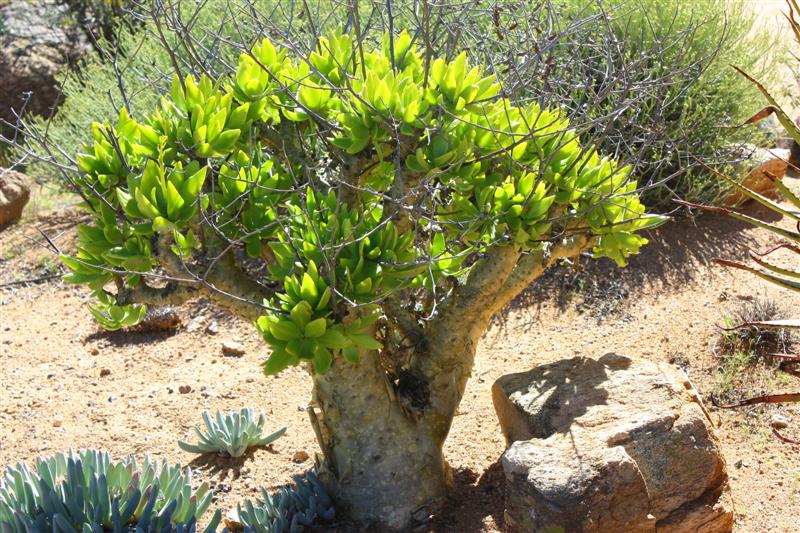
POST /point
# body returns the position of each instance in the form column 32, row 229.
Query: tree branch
column 534, row 264
column 225, row 283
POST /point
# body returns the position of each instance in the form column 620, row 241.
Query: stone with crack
column 609, row 444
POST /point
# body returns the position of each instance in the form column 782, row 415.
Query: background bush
column 669, row 71
column 679, row 54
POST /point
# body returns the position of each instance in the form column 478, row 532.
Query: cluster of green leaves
column 496, row 172
column 372, row 258
column 231, row 433
column 90, row 492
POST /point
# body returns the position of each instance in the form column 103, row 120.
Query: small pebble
column 112, row 398
column 185, row 389
column 95, row 351
column 104, row 372
column 738, row 463
column 212, row 328
column 779, row 421
column 300, row 456
column 195, row 323
column 57, row 423
column 232, row 349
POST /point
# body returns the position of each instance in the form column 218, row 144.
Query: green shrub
column 686, row 46
column 347, row 199
column 684, row 119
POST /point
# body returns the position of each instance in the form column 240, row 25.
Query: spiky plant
column 289, row 509
column 232, row 433
column 766, row 268
column 91, row 492
column 760, row 341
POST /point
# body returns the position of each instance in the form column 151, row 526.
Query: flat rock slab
column 609, row 444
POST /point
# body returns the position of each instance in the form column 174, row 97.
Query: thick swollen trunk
column 383, row 459
column 383, row 440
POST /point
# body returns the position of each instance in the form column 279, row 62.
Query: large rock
column 37, row 42
column 762, row 165
column 609, row 445
column 14, row 194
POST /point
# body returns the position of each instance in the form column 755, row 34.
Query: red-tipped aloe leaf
column 758, row 117
column 782, row 246
column 770, row 398
column 768, row 324
column 783, row 118
column 785, row 283
column 775, row 268
column 784, row 439
column 789, row 234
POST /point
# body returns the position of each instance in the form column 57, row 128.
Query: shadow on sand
column 676, row 253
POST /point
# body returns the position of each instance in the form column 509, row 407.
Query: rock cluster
column 612, row 444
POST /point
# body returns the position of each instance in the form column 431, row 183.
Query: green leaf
column 301, row 314
column 322, row 359
column 351, row 355
column 177, row 94
column 324, row 299
column 225, row 142
column 308, row 289
column 192, row 185
column 174, row 200
column 365, row 341
column 334, row 338
column 284, row 330
column 279, row 360
column 162, row 225
column 315, row 328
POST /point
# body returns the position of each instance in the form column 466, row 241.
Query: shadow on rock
column 547, row 399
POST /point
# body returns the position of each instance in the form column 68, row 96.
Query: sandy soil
column 665, row 306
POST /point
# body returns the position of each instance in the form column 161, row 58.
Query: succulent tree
column 368, row 208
